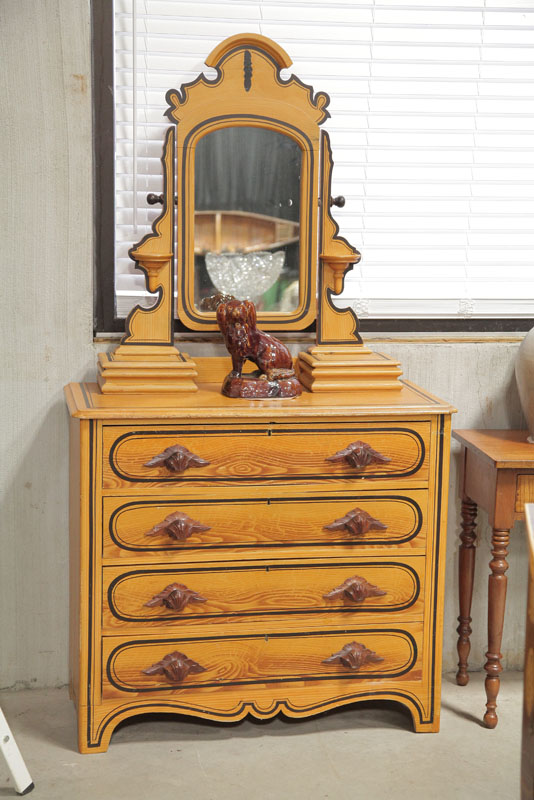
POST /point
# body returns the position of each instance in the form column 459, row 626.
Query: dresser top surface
column 86, row 401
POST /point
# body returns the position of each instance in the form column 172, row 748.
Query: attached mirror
column 247, row 218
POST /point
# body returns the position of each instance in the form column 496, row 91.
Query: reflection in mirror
column 247, row 218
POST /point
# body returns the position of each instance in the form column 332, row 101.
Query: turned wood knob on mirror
column 356, row 589
column 353, row 656
column 175, row 597
column 356, row 522
column 177, row 458
column 175, row 666
column 178, row 526
column 157, row 199
column 359, row 454
column 338, row 201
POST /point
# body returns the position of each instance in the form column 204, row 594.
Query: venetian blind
column 432, row 109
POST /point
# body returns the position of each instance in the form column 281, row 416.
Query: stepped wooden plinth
column 139, row 369
column 344, row 368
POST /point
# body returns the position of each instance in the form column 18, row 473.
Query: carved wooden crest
column 356, row 589
column 248, row 90
column 175, row 666
column 175, row 597
column 353, row 656
column 178, row 526
column 356, row 522
column 177, row 458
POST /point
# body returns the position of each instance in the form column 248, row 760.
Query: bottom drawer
column 143, row 666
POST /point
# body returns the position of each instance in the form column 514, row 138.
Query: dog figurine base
column 275, row 376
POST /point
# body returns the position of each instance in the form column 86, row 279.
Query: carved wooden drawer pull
column 356, row 522
column 177, row 458
column 175, row 666
column 359, row 454
column 353, row 656
column 356, row 589
column 178, row 526
column 175, row 597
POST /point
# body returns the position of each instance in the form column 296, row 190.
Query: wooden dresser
column 246, row 573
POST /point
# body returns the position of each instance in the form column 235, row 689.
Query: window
column 431, row 130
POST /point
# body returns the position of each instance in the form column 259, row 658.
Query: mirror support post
column 146, row 359
column 339, row 361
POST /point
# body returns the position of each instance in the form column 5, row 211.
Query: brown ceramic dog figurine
column 237, row 321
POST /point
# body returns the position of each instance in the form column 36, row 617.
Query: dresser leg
column 496, row 604
column 466, row 577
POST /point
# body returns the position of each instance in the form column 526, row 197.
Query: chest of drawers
column 232, row 557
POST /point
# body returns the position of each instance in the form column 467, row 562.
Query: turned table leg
column 496, row 604
column 466, row 577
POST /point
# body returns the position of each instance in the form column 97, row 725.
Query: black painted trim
column 181, row 93
column 178, row 642
column 104, row 158
column 90, row 579
column 362, row 609
column 184, row 547
column 278, row 706
column 437, row 560
column 261, row 479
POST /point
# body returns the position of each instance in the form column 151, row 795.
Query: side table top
column 506, row 449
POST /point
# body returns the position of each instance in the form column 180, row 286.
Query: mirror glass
column 247, row 218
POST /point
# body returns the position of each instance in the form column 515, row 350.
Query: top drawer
column 269, row 454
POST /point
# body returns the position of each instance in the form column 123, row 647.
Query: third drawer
column 145, row 598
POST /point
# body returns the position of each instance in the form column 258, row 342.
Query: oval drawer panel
column 160, row 665
column 193, row 595
column 177, row 456
column 152, row 526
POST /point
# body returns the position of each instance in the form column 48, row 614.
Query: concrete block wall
column 46, row 321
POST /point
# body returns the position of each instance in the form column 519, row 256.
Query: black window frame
column 105, row 320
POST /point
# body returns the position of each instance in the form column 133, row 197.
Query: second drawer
column 196, row 595
column 134, row 526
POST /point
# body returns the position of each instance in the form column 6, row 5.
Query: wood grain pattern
column 263, row 453
column 254, row 660
column 270, row 589
column 268, row 522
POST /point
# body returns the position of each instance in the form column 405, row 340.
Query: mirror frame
column 247, row 91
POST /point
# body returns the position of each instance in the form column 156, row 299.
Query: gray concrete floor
column 366, row 751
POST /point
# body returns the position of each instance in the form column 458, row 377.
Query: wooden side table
column 498, row 475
